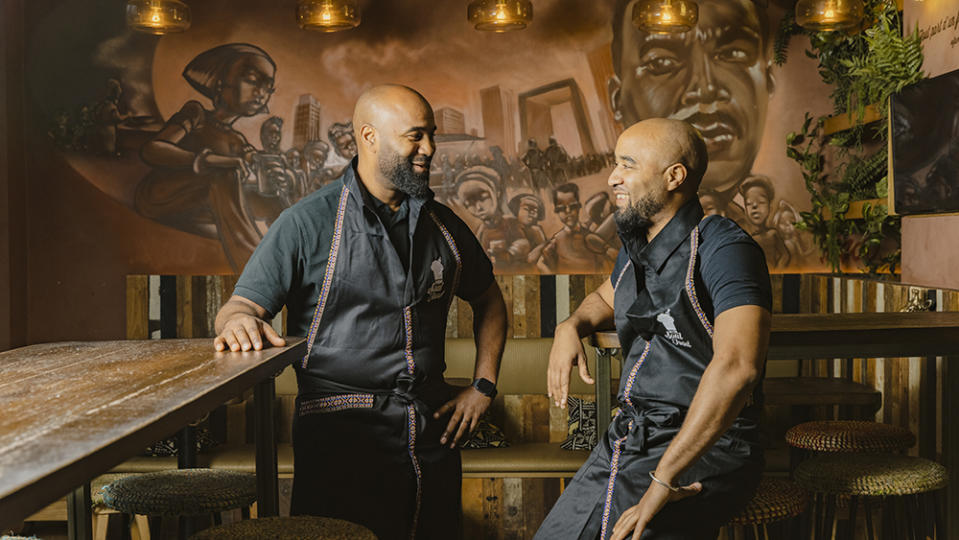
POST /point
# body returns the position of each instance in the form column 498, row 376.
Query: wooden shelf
column 842, row 122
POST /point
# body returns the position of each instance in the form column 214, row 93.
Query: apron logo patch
column 672, row 334
column 436, row 289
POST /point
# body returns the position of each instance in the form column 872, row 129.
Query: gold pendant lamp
column 665, row 16
column 500, row 15
column 158, row 16
column 327, row 15
column 829, row 15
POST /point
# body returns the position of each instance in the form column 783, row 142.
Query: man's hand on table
column 634, row 520
column 467, row 408
column 566, row 352
column 245, row 332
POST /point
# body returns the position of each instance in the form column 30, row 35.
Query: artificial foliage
column 864, row 68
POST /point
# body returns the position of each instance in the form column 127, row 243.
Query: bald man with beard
column 367, row 267
column 690, row 300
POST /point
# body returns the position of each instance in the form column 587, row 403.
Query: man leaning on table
column 367, row 267
column 690, row 299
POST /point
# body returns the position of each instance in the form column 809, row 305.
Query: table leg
column 80, row 514
column 267, row 485
column 603, row 406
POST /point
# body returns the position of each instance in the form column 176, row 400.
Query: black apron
column 366, row 447
column 665, row 348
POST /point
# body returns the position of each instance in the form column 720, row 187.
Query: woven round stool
column 904, row 486
column 181, row 493
column 776, row 502
column 849, row 436
column 297, row 527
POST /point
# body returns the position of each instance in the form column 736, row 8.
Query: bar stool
column 296, row 527
column 774, row 506
column 181, row 492
column 101, row 512
column 849, row 436
column 904, row 485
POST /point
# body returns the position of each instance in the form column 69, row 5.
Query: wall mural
column 215, row 131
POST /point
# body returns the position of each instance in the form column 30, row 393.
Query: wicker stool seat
column 899, row 485
column 776, row 499
column 870, row 474
column 181, row 492
column 849, row 436
column 298, row 527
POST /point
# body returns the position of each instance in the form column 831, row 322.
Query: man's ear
column 676, row 175
column 368, row 135
column 614, row 89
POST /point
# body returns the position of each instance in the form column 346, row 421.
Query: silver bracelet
column 664, row 484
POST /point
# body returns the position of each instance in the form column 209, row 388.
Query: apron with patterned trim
column 373, row 373
column 665, row 351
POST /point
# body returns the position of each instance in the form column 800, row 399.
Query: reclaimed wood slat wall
column 912, row 388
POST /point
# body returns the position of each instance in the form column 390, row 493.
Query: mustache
column 705, row 121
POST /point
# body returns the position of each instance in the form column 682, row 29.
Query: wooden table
column 846, row 335
column 71, row 411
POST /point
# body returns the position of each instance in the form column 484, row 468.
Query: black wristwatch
column 485, row 387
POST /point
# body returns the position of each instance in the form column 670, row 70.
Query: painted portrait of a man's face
column 716, row 77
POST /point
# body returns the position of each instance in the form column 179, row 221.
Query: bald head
column 665, row 142
column 394, row 128
column 388, row 103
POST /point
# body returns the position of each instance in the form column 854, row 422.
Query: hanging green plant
column 864, row 69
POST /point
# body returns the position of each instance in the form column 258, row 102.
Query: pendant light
column 500, row 15
column 327, row 15
column 158, row 16
column 829, row 15
column 665, row 16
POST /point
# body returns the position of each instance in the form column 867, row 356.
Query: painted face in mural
column 316, row 153
column 271, row 133
column 346, row 145
column 528, row 212
column 715, row 77
column 757, row 206
column 567, row 206
column 247, row 86
column 478, row 199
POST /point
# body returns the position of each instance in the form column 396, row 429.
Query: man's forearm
column 722, row 394
column 489, row 331
column 592, row 314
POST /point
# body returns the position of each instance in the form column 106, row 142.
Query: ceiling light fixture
column 327, row 15
column 829, row 15
column 158, row 16
column 665, row 16
column 500, row 15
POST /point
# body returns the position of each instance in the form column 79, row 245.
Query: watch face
column 485, row 387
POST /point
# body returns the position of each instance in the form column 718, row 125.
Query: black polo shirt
column 288, row 265
column 732, row 266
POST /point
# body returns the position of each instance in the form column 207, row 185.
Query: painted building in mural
column 216, row 131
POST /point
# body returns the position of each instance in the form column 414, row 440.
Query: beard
column 400, row 172
column 636, row 218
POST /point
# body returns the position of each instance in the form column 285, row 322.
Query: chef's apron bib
column 375, row 359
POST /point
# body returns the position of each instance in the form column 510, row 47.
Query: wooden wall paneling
column 138, row 307
column 506, row 287
column 492, row 506
column 473, row 518
column 776, row 282
column 532, row 289
column 464, row 319
column 539, row 496
column 519, row 307
column 870, row 290
column 558, row 423
column 577, row 291
column 192, row 307
column 513, row 506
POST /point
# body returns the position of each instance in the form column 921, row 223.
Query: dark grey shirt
column 731, row 264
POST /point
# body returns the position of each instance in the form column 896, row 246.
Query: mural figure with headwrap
column 479, row 190
column 201, row 162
